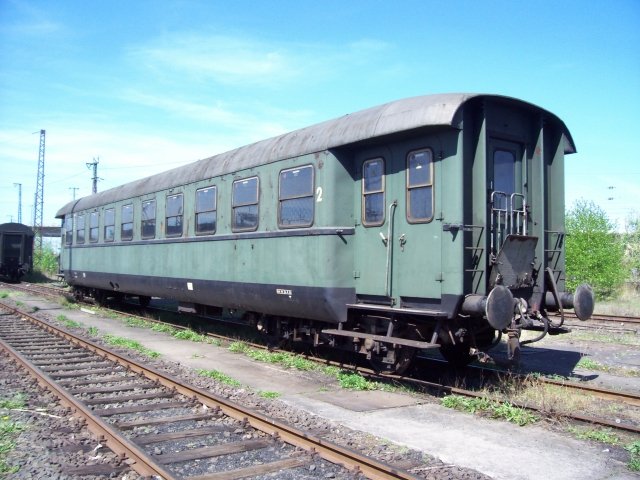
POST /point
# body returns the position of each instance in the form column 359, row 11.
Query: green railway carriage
column 434, row 221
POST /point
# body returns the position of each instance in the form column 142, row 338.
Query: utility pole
column 39, row 197
column 74, row 191
column 19, row 185
column 95, row 178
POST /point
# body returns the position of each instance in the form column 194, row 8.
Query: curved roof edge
column 386, row 119
column 13, row 227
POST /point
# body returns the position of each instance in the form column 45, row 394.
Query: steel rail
column 331, row 452
column 141, row 462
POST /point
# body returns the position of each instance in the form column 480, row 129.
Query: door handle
column 402, row 239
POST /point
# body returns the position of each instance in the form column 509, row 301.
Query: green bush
column 45, row 261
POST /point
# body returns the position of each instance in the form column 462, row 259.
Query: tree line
column 599, row 255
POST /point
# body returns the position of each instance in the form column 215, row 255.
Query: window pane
column 126, row 232
column 95, row 223
column 206, row 200
column 245, row 192
column 245, row 218
column 110, row 216
column 206, row 222
column 296, row 183
column 80, row 228
column 372, row 173
column 420, row 203
column 297, row 212
column 420, row 168
column 174, row 205
column 374, row 209
column 174, row 225
column 504, row 171
column 127, row 213
column 148, row 228
column 68, row 229
column 148, row 219
column 149, row 210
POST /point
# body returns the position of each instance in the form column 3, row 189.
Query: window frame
column 428, row 185
column 147, row 221
column 109, row 234
column 214, row 210
column 68, row 230
column 94, row 229
column 123, row 237
column 180, row 216
column 311, row 195
column 382, row 190
column 80, row 227
column 235, row 206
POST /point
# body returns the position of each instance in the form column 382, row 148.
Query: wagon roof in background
column 13, row 227
column 387, row 119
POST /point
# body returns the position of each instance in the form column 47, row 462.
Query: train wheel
column 100, row 296
column 395, row 361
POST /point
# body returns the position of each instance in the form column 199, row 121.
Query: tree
column 632, row 247
column 594, row 252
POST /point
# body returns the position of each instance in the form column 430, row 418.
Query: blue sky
column 149, row 85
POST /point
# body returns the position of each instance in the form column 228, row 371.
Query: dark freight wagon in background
column 428, row 222
column 16, row 241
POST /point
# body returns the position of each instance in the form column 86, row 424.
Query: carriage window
column 373, row 183
column 109, row 224
column 68, row 229
column 174, row 215
column 126, row 226
column 148, row 220
column 419, row 186
column 80, row 228
column 245, row 204
column 94, row 227
column 296, row 197
column 206, row 214
column 504, row 174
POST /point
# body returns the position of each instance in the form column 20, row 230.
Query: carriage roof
column 387, row 119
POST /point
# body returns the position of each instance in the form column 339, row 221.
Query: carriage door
column 373, row 206
column 507, row 202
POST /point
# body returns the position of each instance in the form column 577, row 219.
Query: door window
column 504, row 175
column 420, row 186
column 373, row 183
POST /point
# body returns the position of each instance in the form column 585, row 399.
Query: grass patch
column 594, row 365
column 634, row 452
column 191, row 336
column 67, row 322
column 269, row 395
column 18, row 401
column 355, row 381
column 93, row 331
column 4, row 294
column 130, row 344
column 501, row 410
column 220, row 377
column 19, row 304
column 630, row 339
column 8, row 431
column 604, row 435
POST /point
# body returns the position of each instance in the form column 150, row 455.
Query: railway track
column 121, row 400
column 629, row 398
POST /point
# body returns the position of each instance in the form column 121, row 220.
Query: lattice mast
column 38, row 205
column 19, row 185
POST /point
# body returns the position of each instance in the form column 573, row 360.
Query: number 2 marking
column 319, row 194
